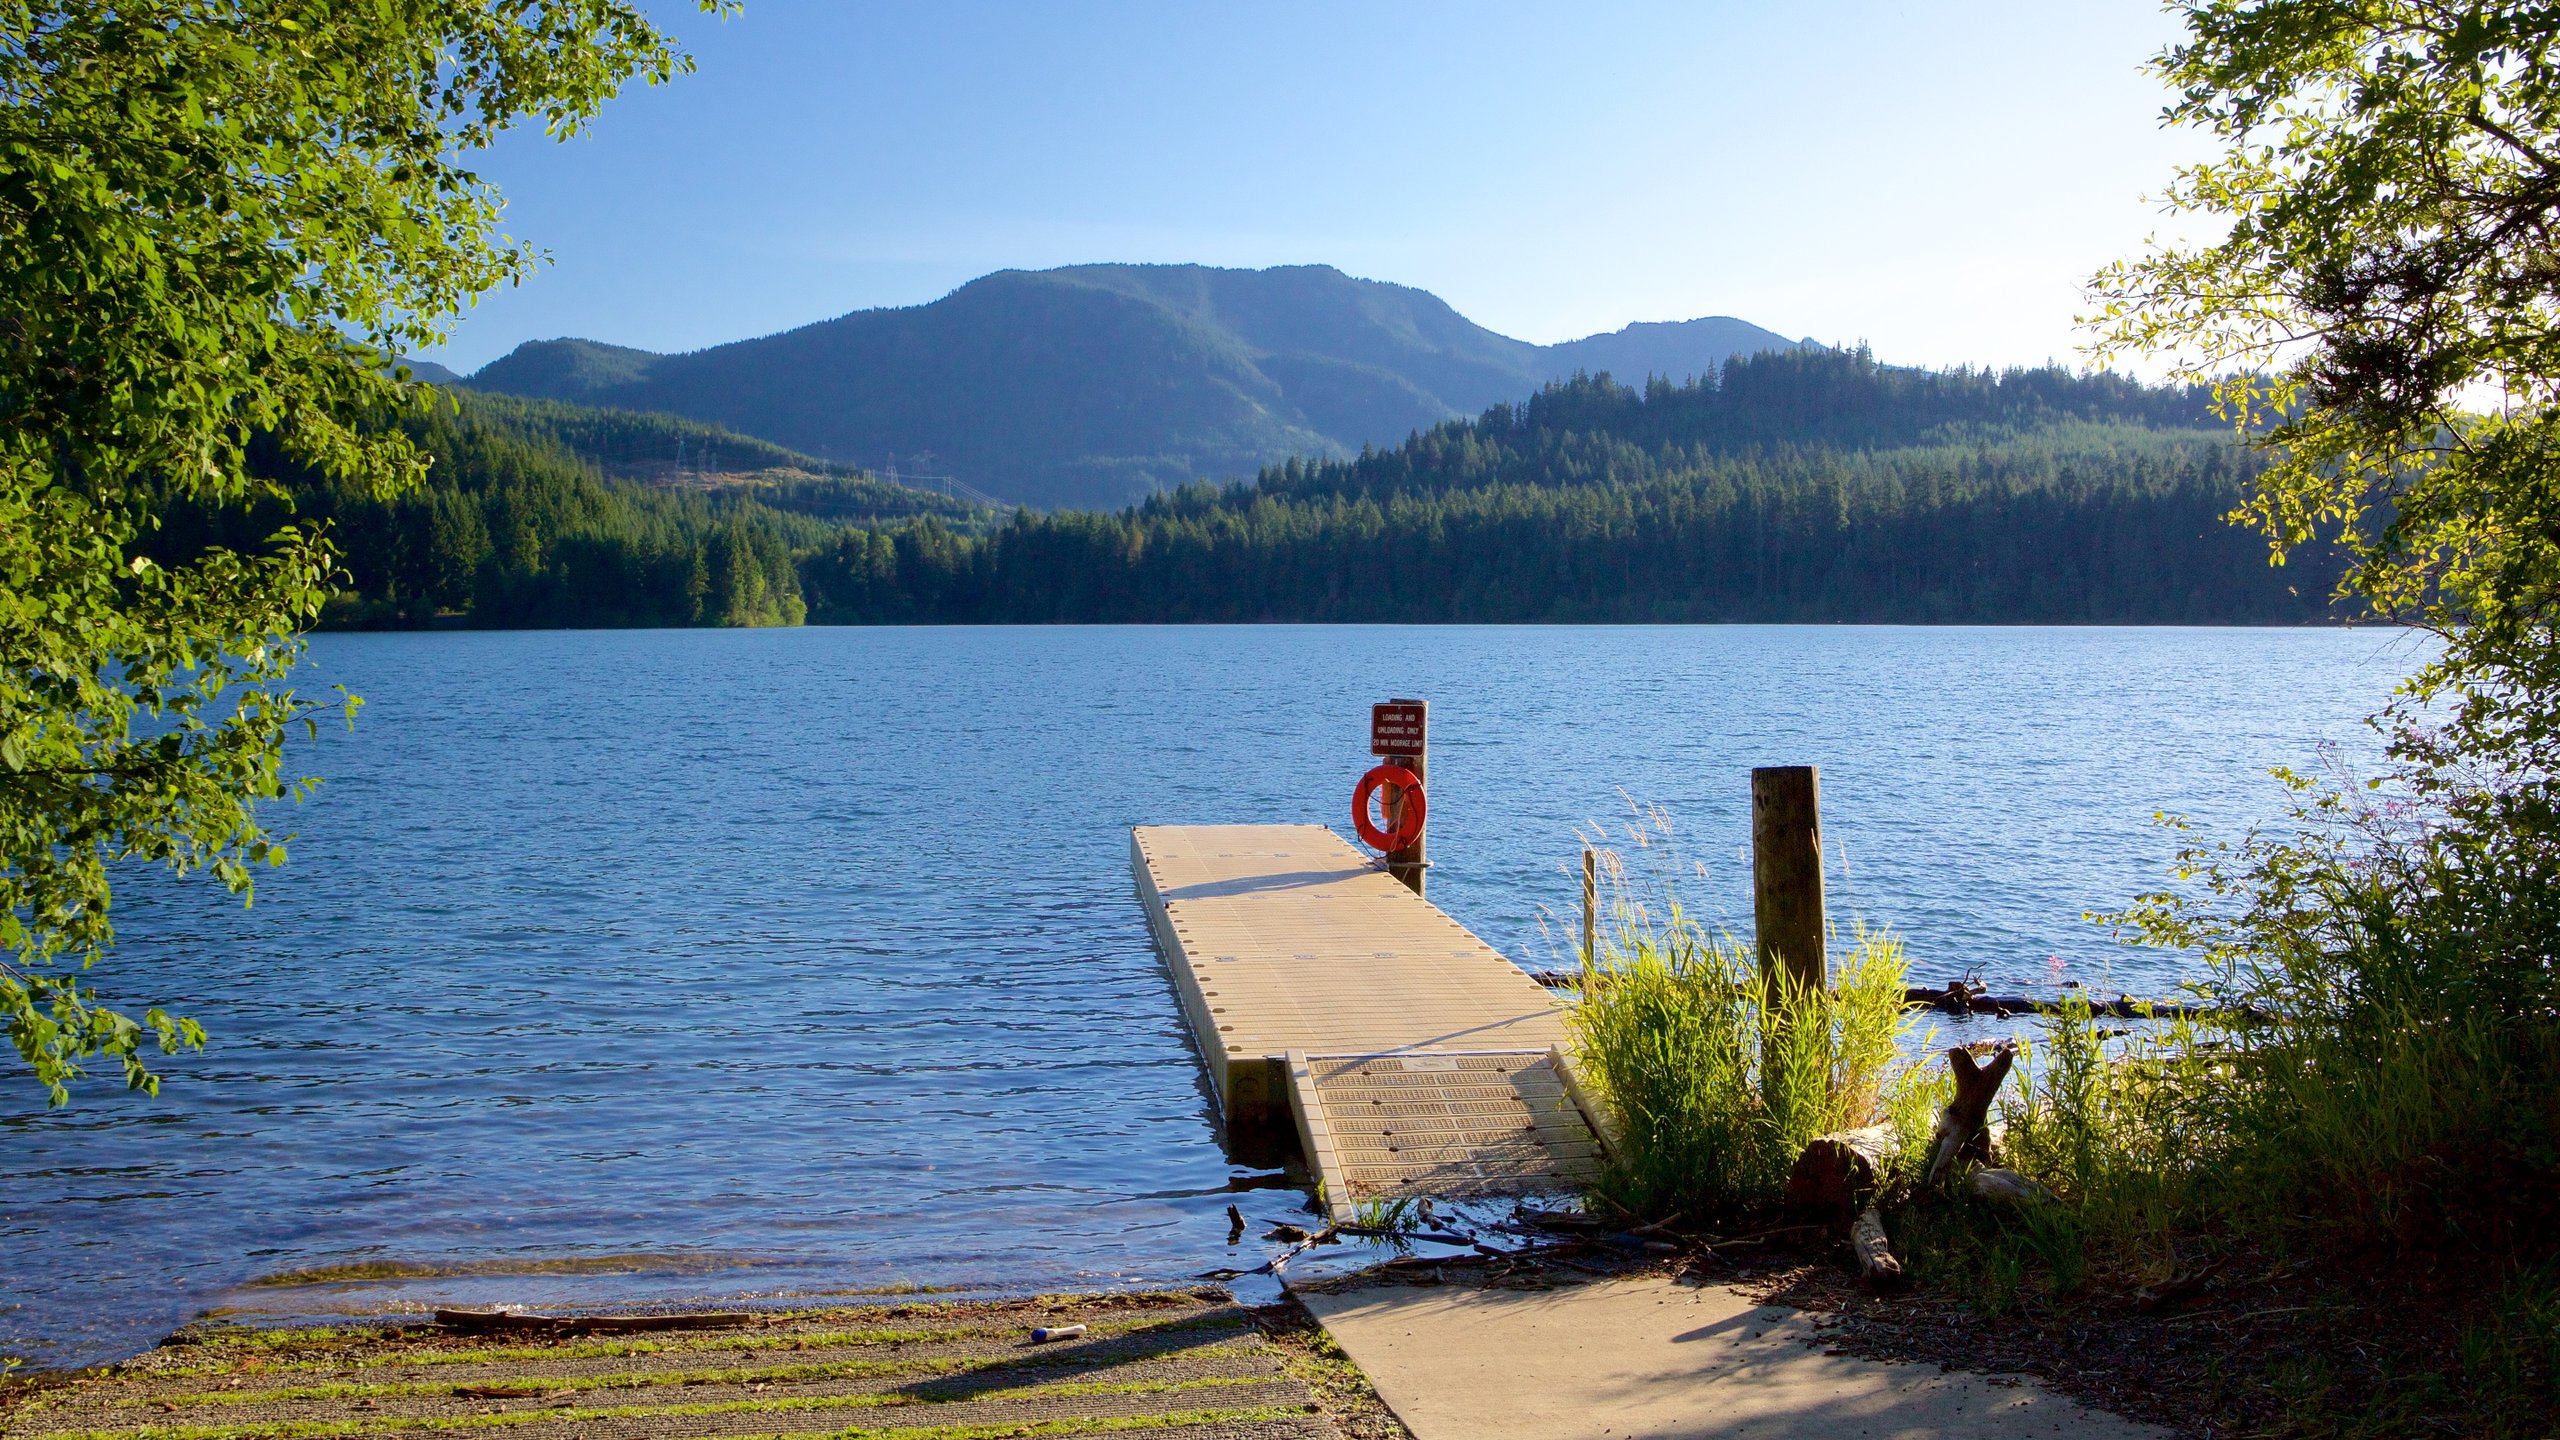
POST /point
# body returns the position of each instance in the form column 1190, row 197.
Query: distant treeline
column 514, row 528
column 1798, row 486
column 1803, row 486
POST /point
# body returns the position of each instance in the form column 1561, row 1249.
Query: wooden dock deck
column 1346, row 1019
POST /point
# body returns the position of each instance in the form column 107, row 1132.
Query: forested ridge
column 1799, row 486
column 519, row 523
column 1803, row 486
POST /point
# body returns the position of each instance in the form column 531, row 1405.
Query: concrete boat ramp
column 1653, row 1359
column 1344, row 1019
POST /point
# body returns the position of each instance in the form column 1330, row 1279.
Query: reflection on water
column 802, row 962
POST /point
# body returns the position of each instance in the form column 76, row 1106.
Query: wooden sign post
column 1399, row 733
column 1786, row 873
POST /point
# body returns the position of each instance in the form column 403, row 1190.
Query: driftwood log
column 1958, row 997
column 2008, row 1187
column 1838, row 1178
column 491, row 1321
column 1960, row 1130
column 1876, row 1264
column 1838, row 1175
column 1964, row 999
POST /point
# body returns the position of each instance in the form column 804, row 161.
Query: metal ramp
column 1454, row 1126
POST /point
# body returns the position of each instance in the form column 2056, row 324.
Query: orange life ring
column 1408, row 827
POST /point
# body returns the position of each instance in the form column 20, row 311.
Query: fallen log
column 1876, row 1264
column 2008, row 1187
column 1535, row 1254
column 1961, row 999
column 1957, row 997
column 1839, row 1174
column 1386, row 1232
column 485, row 1321
column 1564, row 1221
column 2175, row 1291
column 1960, row 1125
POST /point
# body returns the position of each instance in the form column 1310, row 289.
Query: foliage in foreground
column 218, row 219
column 2382, row 292
column 2385, row 1123
column 2389, row 183
column 2393, row 1094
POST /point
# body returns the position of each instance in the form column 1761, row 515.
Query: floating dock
column 1348, row 1020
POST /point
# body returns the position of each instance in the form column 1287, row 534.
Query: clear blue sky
column 1937, row 179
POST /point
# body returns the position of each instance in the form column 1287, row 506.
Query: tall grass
column 2127, row 1133
column 1719, row 1073
column 2397, row 1092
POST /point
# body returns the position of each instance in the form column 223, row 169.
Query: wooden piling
column 1786, row 873
column 1590, row 908
column 1408, row 864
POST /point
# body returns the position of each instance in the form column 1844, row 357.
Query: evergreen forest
column 1809, row 485
column 532, row 515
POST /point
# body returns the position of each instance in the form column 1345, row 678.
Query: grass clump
column 1392, row 1216
column 1719, row 1072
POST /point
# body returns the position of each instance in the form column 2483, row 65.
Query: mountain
column 428, row 372
column 578, row 371
column 1677, row 350
column 1811, row 485
column 1097, row 385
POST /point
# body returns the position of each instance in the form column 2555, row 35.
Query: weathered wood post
column 1590, row 908
column 1400, row 734
column 1786, row 874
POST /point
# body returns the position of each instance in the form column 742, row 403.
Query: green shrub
column 2391, row 1105
column 2405, row 955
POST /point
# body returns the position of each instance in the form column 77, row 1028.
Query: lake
column 799, row 962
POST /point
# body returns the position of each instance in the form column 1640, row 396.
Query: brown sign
column 1395, row 728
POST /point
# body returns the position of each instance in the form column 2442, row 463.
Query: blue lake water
column 803, row 961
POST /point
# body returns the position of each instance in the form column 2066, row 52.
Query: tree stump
column 1960, row 1124
column 1839, row 1174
